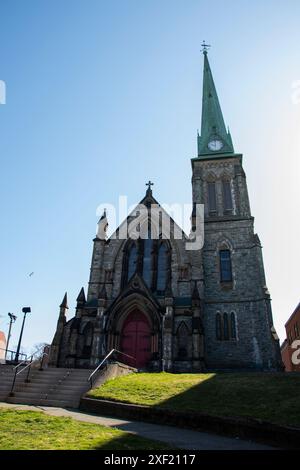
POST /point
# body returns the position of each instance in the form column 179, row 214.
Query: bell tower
column 237, row 312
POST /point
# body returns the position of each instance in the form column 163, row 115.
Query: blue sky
column 102, row 96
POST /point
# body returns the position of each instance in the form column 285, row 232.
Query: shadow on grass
column 272, row 397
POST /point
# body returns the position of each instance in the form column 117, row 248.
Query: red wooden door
column 136, row 339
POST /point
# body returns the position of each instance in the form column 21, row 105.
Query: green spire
column 214, row 139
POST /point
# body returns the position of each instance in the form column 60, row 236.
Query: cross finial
column 149, row 184
column 205, row 47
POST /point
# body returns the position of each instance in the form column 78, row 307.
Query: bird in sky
column 31, row 274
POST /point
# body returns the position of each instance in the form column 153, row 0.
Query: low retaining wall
column 111, row 371
column 252, row 429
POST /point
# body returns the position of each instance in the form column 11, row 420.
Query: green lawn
column 32, row 430
column 272, row 397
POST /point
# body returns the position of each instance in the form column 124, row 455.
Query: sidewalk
column 179, row 438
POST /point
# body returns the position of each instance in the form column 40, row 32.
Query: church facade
column 165, row 307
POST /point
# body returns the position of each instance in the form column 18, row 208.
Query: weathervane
column 205, row 47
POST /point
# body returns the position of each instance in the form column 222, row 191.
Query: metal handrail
column 11, row 394
column 90, row 379
column 40, row 359
column 13, row 352
column 19, row 365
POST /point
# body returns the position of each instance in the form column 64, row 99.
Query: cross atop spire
column 205, row 47
column 149, row 184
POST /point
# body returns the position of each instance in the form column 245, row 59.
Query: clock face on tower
column 215, row 144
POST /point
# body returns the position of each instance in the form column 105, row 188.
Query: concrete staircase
column 6, row 380
column 50, row 387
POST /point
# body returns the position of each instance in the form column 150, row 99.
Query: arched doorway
column 136, row 339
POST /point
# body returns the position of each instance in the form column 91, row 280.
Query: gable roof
column 148, row 201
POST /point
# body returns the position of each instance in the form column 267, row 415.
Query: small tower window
column 212, row 200
column 225, row 266
column 227, row 196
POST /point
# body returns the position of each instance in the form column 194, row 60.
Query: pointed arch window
column 87, row 340
column 132, row 262
column 212, row 200
column 227, row 196
column 182, row 341
column 151, row 259
column 219, row 326
column 232, row 325
column 147, row 261
column 225, row 266
column 162, row 268
column 225, row 327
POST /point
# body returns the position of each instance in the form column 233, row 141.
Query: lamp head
column 26, row 309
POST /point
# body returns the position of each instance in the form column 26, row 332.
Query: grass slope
column 32, row 430
column 272, row 397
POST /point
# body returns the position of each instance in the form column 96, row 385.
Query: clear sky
column 102, row 96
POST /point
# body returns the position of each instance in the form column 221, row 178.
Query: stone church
column 168, row 308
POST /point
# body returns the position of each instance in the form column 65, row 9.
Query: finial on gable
column 149, row 190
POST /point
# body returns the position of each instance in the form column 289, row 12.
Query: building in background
column 2, row 347
column 292, row 328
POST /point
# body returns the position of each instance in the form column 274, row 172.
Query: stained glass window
column 132, row 262
column 162, row 268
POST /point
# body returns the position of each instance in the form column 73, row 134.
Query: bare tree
column 39, row 349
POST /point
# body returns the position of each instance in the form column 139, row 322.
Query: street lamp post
column 12, row 319
column 25, row 310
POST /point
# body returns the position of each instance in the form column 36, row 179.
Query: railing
column 90, row 379
column 27, row 366
column 41, row 360
column 11, row 394
column 13, row 353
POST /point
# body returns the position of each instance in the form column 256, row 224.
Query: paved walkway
column 177, row 437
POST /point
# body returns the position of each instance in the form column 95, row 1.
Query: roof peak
column 81, row 297
column 64, row 303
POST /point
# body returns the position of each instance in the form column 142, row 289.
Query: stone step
column 39, row 390
column 48, row 387
column 43, row 402
column 42, row 376
column 8, row 383
column 48, row 392
column 79, row 372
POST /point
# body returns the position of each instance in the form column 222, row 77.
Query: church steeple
column 214, row 138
